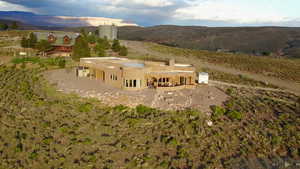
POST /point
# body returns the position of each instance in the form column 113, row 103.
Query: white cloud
column 5, row 6
column 149, row 3
column 229, row 11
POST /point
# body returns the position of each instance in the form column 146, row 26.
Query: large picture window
column 132, row 83
column 113, row 77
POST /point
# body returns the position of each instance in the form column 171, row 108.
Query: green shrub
column 143, row 109
column 62, row 63
column 19, row 147
column 84, row 108
column 87, row 141
column 181, row 152
column 20, row 60
column 229, row 91
column 217, row 112
column 116, row 47
column 276, row 140
column 123, row 51
column 119, row 108
column 164, row 164
column 33, row 155
column 235, row 115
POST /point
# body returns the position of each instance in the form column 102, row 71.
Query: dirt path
column 218, row 83
column 140, row 48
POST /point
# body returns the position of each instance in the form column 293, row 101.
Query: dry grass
column 287, row 69
column 214, row 74
column 43, row 128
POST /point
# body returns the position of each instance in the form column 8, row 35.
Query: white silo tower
column 108, row 31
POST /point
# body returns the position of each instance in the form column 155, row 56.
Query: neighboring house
column 136, row 75
column 62, row 42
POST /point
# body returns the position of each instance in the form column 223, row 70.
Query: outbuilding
column 203, row 77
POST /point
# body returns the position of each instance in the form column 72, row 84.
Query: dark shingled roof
column 59, row 37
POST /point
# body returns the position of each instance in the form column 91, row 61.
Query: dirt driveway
column 200, row 98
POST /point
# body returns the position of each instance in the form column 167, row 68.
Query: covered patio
column 170, row 80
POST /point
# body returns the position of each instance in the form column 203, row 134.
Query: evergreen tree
column 81, row 49
column 104, row 43
column 100, row 50
column 91, row 38
column 24, row 42
column 123, row 51
column 14, row 25
column 32, row 41
column 43, row 46
column 3, row 26
column 97, row 32
column 116, row 47
column 83, row 33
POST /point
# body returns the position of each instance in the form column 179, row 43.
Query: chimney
column 172, row 62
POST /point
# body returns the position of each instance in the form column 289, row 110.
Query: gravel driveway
column 200, row 98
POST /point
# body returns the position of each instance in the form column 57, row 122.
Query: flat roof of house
column 157, row 67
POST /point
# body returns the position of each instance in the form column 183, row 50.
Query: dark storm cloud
column 156, row 12
column 137, row 11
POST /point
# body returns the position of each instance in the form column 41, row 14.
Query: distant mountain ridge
column 30, row 18
column 278, row 41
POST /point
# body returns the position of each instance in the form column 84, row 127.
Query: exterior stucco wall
column 139, row 75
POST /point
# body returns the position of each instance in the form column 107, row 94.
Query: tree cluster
column 32, row 42
column 14, row 25
column 100, row 45
column 81, row 48
column 117, row 47
column 3, row 26
column 29, row 42
column 43, row 46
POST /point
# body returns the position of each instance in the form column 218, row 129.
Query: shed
column 203, row 77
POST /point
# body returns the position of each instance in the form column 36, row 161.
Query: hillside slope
column 41, row 128
column 281, row 72
column 280, row 41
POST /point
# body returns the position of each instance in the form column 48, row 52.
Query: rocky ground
column 200, row 98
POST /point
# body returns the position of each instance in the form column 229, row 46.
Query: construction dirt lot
column 200, row 98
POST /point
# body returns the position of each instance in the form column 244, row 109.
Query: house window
column 113, row 77
column 66, row 40
column 132, row 83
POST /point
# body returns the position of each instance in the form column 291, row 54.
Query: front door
column 182, row 81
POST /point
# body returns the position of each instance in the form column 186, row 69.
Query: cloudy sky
column 180, row 12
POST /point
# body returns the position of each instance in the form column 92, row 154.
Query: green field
column 42, row 128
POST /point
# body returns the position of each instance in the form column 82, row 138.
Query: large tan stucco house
column 136, row 75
